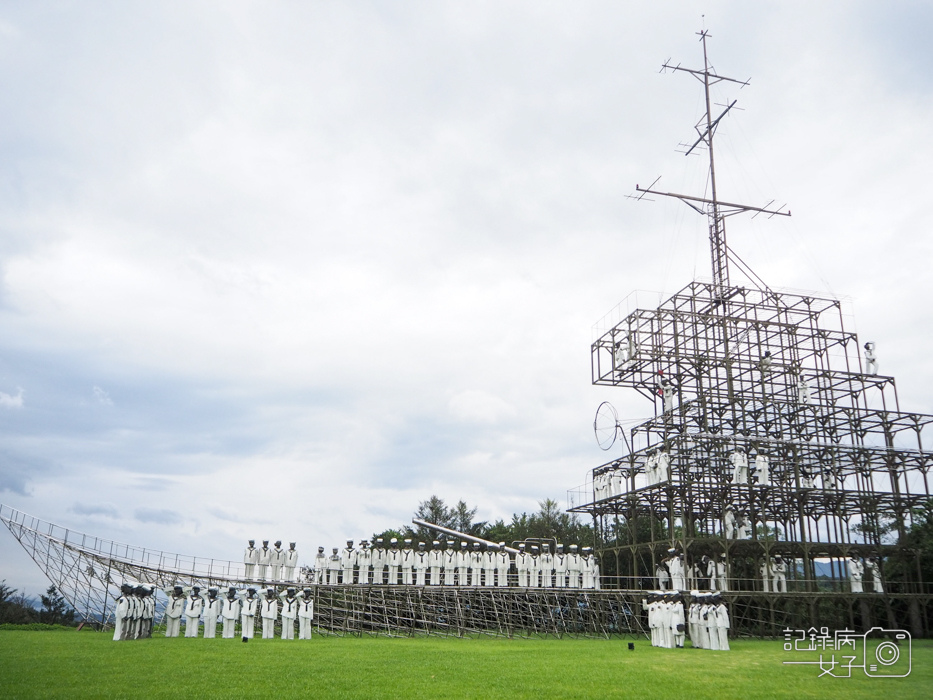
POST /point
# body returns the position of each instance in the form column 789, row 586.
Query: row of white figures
column 446, row 565
column 773, row 572
column 736, row 527
column 242, row 605
column 862, row 573
column 673, row 574
column 607, row 484
column 270, row 563
column 708, row 621
column 665, row 619
column 134, row 613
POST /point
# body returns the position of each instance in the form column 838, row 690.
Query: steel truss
column 776, row 374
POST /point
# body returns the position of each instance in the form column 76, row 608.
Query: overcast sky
column 284, row 270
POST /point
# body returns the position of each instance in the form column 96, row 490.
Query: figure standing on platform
column 379, row 561
column 675, row 564
column 251, row 559
column 739, row 466
column 521, row 566
column 265, row 560
column 436, row 562
column 407, row 562
column 574, row 567
column 667, row 394
column 348, row 559
column 364, row 560
column 560, row 567
column 462, row 565
column 421, row 564
column 489, row 566
column 764, row 364
column 320, row 566
column 871, row 359
column 230, row 611
column 306, row 613
column 547, row 566
column 765, row 570
column 762, row 469
column 534, row 567
column 173, row 610
column 663, row 575
column 277, row 561
column 450, row 563
column 291, row 562
column 662, row 466
column 803, row 389
column 248, row 612
column 779, row 568
column 874, row 570
column 728, row 522
column 856, row 570
column 503, row 566
column 722, row 580
column 333, row 568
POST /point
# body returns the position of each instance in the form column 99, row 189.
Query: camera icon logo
column 891, row 658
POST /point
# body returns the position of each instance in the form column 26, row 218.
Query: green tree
column 55, row 609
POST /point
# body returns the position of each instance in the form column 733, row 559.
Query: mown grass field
column 70, row 664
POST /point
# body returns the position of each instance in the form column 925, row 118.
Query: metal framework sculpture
column 770, row 436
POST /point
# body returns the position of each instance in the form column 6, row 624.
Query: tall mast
column 713, row 208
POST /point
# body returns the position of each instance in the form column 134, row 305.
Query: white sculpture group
column 270, row 563
column 707, row 620
column 674, row 574
column 446, row 564
column 134, row 613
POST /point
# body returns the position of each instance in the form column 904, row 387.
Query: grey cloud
column 104, row 509
column 158, row 516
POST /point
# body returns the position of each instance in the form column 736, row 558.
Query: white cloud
column 8, row 401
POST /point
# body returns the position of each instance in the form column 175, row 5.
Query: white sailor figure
column 522, row 561
column 874, row 570
column 675, row 564
column 380, row 557
column 348, row 559
column 230, row 611
column 693, row 619
column 149, row 616
column 503, row 566
column 489, row 566
column 393, row 561
column 364, row 560
column 291, row 562
column 667, row 394
column 476, row 565
column 462, row 565
column 422, row 560
column 765, row 570
column 739, row 466
column 333, row 568
column 806, row 477
column 269, row 612
column 871, row 359
column 779, row 569
column 546, row 562
column 856, row 570
column 306, row 613
column 251, row 559
column 560, row 567
column 194, row 606
column 534, row 567
column 277, row 561
column 138, row 607
column 173, row 610
column 663, row 575
column 212, row 607
column 248, row 612
column 122, row 613
column 451, row 557
column 320, row 566
column 436, row 562
column 265, row 560
column 762, row 469
column 764, row 364
column 678, row 621
column 728, row 522
column 720, row 623
column 803, row 389
column 662, row 466
column 590, row 568
column 290, row 607
column 574, row 567
column 722, row 581
column 743, row 530
column 407, row 564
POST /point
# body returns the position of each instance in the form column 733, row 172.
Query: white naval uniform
column 546, row 562
column 269, row 611
column 765, row 570
column 150, row 613
column 721, row 580
column 277, row 561
column 662, row 467
column 590, row 572
column 489, row 567
column 393, row 563
column 406, row 562
column 333, row 569
column 291, row 563
column 739, row 467
column 250, row 559
column 348, row 559
column 780, row 576
column 265, row 559
column 708, row 626
column 194, row 606
column 230, row 611
column 379, row 563
column 305, row 616
column 420, row 567
column 289, row 613
column 762, row 467
column 728, row 524
column 693, row 620
column 855, row 575
column 503, row 564
column 534, row 570
column 560, row 570
column 462, row 563
column 722, row 626
column 450, row 564
column 522, row 561
column 574, row 566
column 211, row 613
column 173, row 613
column 677, row 619
column 119, row 617
column 248, row 614
column 436, row 562
column 676, row 566
column 364, row 559
column 320, row 568
column 663, row 576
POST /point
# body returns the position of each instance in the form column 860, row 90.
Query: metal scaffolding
column 772, row 435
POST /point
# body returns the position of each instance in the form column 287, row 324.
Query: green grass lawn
column 70, row 664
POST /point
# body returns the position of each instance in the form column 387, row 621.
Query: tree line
column 18, row 609
column 550, row 521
